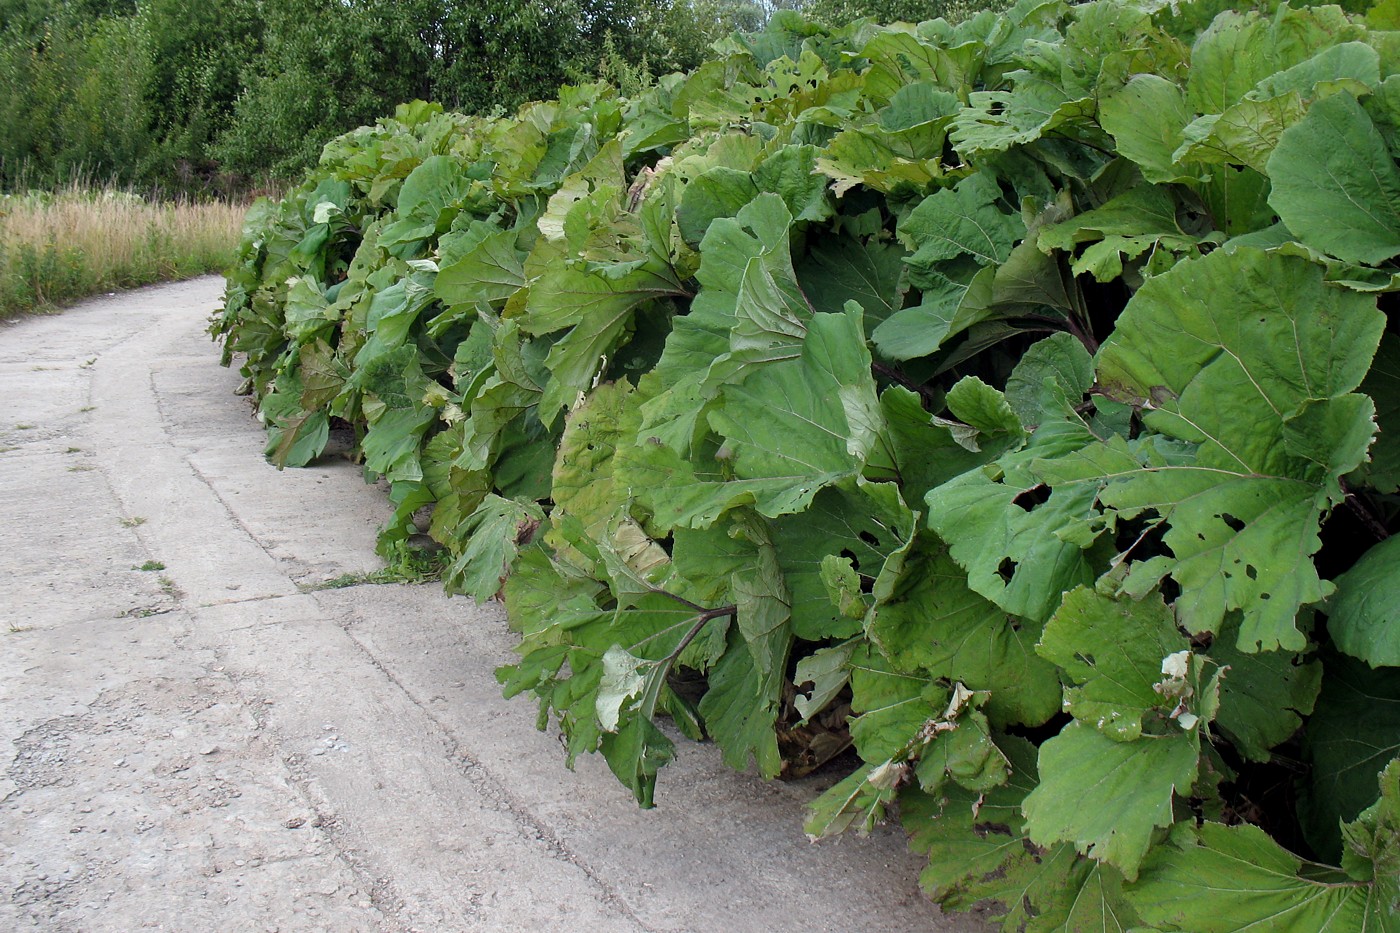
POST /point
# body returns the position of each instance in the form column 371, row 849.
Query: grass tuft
column 58, row 247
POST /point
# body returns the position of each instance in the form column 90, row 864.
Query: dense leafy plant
column 162, row 93
column 1012, row 401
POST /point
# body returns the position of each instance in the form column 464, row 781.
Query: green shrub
column 1012, row 400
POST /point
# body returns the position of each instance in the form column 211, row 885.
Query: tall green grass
column 58, row 247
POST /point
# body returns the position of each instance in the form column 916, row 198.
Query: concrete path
column 193, row 736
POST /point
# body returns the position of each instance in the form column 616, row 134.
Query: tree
column 331, row 65
column 197, row 55
column 76, row 104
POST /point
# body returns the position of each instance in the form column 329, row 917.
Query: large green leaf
column 718, row 193
column 1222, row 879
column 394, row 310
column 949, row 306
column 866, row 158
column 897, row 59
column 890, row 707
column 1021, row 558
column 921, row 451
column 1146, row 117
column 598, row 305
column 741, row 707
column 1248, row 131
column 1246, row 134
column 697, row 356
column 585, row 488
column 1108, row 797
column 791, row 174
column 637, row 752
column 1243, row 339
column 1363, row 616
column 796, row 426
column 978, row 856
column 493, row 535
column 490, row 273
column 1335, row 183
column 1141, row 219
column 900, row 721
column 583, row 475
column 1054, row 374
column 971, row 839
column 750, row 298
column 962, row 220
column 309, row 315
column 999, row 120
column 926, row 619
column 1113, row 652
column 426, row 204
column 863, row 524
column 1238, row 50
column 1349, row 66
column 295, row 436
column 842, row 269
column 506, row 391
column 1264, row 696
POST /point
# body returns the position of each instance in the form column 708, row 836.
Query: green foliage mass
column 1012, row 401
column 162, row 92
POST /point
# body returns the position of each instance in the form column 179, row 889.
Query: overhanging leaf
column 863, row 524
column 1214, row 879
column 926, row 619
column 1108, row 797
column 1264, row 697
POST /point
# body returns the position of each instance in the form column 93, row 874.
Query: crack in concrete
column 495, row 791
column 248, row 600
column 383, row 896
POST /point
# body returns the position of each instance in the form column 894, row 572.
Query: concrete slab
column 214, row 743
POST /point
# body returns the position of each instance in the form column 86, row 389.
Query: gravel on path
column 196, row 734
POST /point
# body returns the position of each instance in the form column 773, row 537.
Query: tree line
column 165, row 94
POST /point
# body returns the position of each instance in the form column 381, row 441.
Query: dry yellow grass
column 58, row 247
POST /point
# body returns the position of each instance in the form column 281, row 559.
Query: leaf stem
column 1080, row 330
column 1360, row 509
column 680, row 599
column 894, row 375
column 700, row 622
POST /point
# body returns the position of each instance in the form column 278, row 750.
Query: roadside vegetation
column 1010, row 402
column 57, row 247
column 206, row 105
column 211, row 99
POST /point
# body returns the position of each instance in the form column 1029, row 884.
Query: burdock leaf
column 1113, row 651
column 1108, row 797
column 1335, row 184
